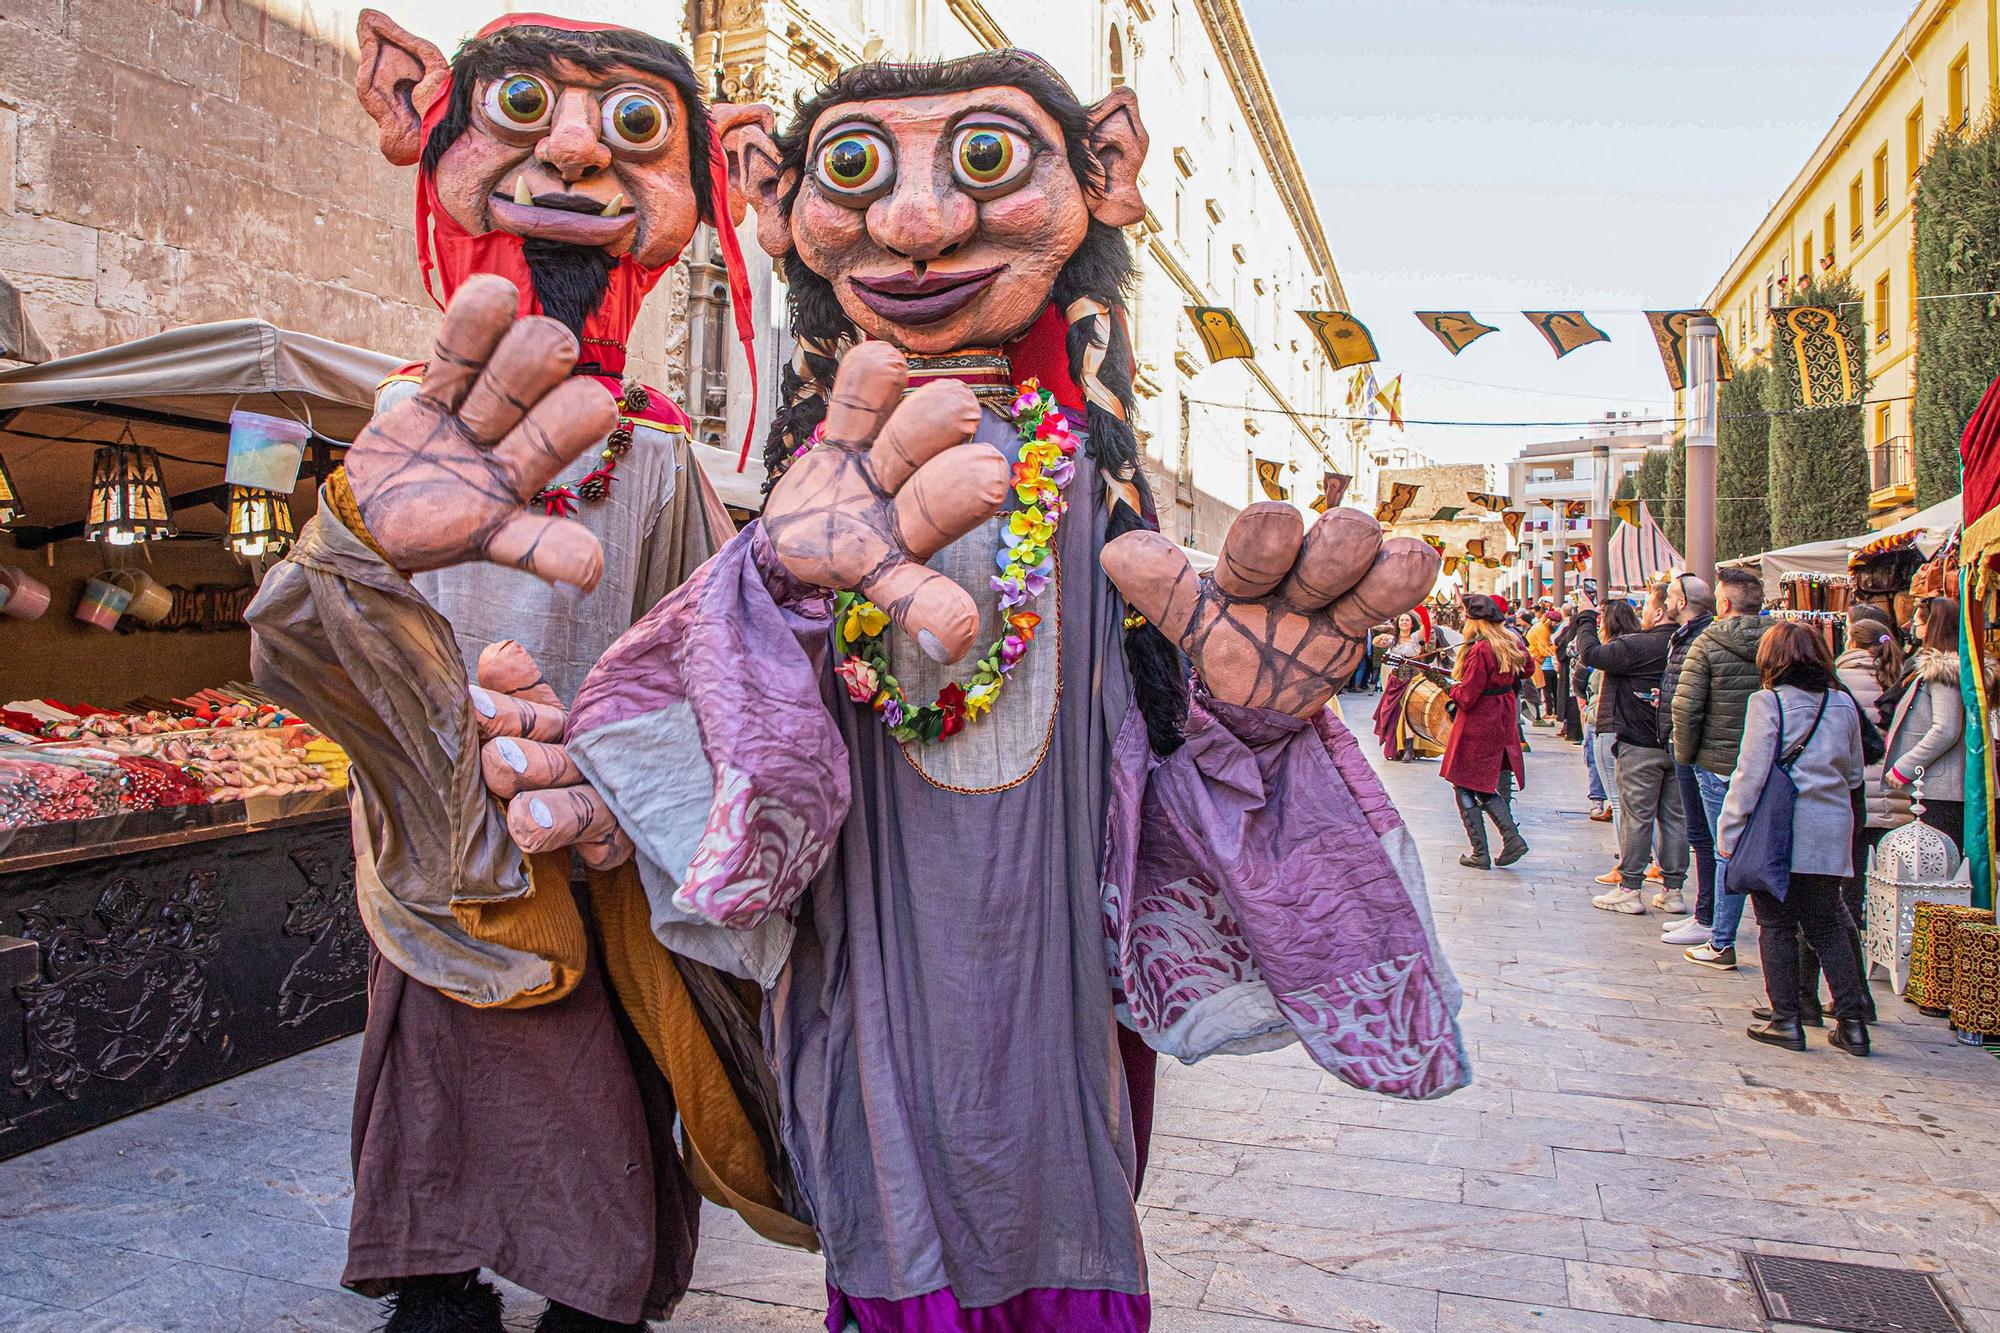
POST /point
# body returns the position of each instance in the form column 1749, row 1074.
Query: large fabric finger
column 512, row 765
column 542, row 821
column 504, row 715
column 535, row 356
column 606, row 853
column 931, row 609
column 941, row 414
column 559, row 550
column 1153, row 575
column 865, row 389
column 477, row 319
column 509, row 668
column 1259, row 549
column 1339, row 549
column 948, row 497
column 570, row 421
column 1401, row 577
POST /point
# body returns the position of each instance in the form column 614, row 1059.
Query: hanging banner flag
column 1566, row 330
column 1400, row 495
column 1391, row 399
column 1488, row 501
column 1436, row 543
column 1670, row 332
column 1345, row 339
column 1271, row 476
column 1447, row 513
column 1823, row 359
column 1575, row 508
column 1625, row 511
column 1450, row 565
column 1332, row 486
column 1456, row 329
column 1221, row 336
column 1512, row 519
column 1476, row 549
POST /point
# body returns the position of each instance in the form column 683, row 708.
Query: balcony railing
column 1892, row 466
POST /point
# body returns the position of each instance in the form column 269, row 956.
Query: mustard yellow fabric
column 544, row 923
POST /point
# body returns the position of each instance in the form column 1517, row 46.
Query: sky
column 1502, row 155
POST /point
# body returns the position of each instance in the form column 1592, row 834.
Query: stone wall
column 195, row 160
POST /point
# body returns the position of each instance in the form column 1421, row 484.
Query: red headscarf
column 455, row 254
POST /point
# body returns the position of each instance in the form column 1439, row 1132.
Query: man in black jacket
column 1690, row 604
column 1579, row 629
column 1649, row 798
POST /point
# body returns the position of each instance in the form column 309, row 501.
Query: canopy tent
column 1640, row 553
column 1931, row 527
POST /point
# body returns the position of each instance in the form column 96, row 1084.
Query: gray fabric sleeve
column 1753, row 768
column 1946, row 729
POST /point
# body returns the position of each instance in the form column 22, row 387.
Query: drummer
column 1399, row 724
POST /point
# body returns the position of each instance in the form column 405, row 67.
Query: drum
column 1425, row 710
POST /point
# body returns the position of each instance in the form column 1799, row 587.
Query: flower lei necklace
column 560, row 501
column 1027, row 562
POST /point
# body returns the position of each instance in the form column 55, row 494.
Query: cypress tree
column 1958, row 341
column 1743, row 466
column 1673, row 518
column 1819, row 459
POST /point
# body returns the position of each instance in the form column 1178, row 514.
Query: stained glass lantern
column 11, row 507
column 260, row 522
column 128, row 496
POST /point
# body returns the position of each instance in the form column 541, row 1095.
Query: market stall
column 176, row 876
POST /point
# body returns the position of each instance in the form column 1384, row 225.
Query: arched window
column 1117, row 58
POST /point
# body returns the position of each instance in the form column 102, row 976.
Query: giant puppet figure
column 509, row 1116
column 916, row 752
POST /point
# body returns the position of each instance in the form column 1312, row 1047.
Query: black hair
column 1619, row 619
column 1094, row 281
column 536, row 50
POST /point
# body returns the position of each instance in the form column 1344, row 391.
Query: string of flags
column 1641, row 538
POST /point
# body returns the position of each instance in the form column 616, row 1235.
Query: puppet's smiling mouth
column 910, row 298
column 573, row 218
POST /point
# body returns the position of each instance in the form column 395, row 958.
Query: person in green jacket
column 1711, row 703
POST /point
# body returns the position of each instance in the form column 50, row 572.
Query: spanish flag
column 1566, row 330
column 1456, row 329
column 1221, row 336
column 1345, row 339
column 1391, row 399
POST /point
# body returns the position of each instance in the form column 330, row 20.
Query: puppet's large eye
column 520, row 102
column 854, row 162
column 984, row 156
column 635, row 121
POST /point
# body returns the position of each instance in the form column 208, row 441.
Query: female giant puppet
column 948, row 880
column 507, row 1115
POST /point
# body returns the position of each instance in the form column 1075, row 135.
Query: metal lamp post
column 1703, row 335
column 1600, row 515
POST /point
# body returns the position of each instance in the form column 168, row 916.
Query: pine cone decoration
column 636, row 398
column 620, row 440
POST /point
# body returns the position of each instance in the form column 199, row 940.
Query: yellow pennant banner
column 1823, row 361
column 1566, row 330
column 1345, row 339
column 1450, row 565
column 1401, row 493
column 1476, row 548
column 1491, row 503
column 1626, row 511
column 1670, row 333
column 1456, row 329
column 1511, row 520
column 1271, row 476
column 1222, row 337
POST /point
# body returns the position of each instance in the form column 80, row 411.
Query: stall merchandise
column 1801, row 590
column 1830, row 626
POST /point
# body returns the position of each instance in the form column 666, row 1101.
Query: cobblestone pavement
column 1622, row 1144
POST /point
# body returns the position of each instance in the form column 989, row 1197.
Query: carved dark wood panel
column 165, row 971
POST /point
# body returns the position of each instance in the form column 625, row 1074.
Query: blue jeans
column 1701, row 838
column 1597, row 793
column 1728, row 912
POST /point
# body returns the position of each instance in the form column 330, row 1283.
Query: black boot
column 560, row 1318
column 1512, row 845
column 1779, row 1032
column 443, row 1303
column 1850, row 1035
column 1762, row 1013
column 1475, row 831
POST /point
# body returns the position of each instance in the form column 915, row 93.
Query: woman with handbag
column 1482, row 758
column 1787, row 831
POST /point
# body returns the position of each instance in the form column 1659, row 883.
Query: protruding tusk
column 617, row 204
column 522, row 195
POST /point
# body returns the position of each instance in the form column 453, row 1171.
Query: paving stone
column 1661, row 1296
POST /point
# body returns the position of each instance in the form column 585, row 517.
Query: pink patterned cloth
column 1041, row 1310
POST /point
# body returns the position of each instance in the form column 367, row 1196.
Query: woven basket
column 1975, row 980
column 1931, row 957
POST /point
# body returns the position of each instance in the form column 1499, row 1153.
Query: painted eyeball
column 855, row 162
column 986, row 156
column 635, row 121
column 520, row 102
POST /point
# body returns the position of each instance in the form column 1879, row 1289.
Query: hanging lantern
column 260, row 522
column 11, row 507
column 128, row 495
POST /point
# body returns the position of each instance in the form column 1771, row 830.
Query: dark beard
column 569, row 281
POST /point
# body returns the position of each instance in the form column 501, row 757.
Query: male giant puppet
column 508, row 1116
column 911, row 751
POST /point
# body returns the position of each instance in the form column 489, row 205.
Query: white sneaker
column 1627, row 901
column 1689, row 931
column 1671, row 903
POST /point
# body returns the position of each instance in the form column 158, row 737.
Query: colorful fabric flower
column 980, row 698
column 862, row 679
column 864, row 621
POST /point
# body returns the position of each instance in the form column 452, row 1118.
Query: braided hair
column 1089, row 290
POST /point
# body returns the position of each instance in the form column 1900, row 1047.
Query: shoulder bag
column 1762, row 861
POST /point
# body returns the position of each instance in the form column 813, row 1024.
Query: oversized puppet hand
column 442, row 478
column 891, row 484
column 1286, row 613
column 549, row 805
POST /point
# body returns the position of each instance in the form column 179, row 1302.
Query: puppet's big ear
column 399, row 78
column 755, row 178
column 1118, row 138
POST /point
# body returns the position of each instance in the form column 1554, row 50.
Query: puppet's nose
column 920, row 223
column 573, row 150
